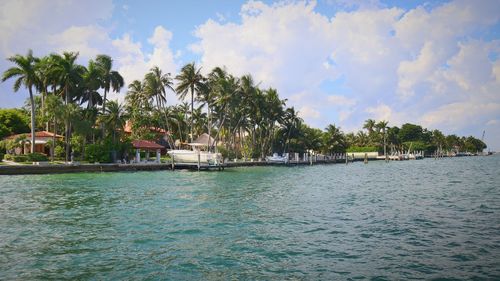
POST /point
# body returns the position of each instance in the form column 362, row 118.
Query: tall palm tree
column 91, row 84
column 114, row 118
column 44, row 78
column 292, row 122
column 111, row 79
column 190, row 79
column 382, row 126
column 155, row 85
column 335, row 140
column 25, row 73
column 69, row 74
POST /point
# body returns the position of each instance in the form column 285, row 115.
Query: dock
column 149, row 166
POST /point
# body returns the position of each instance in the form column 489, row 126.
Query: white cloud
column 380, row 112
column 493, row 122
column 338, row 100
column 88, row 41
column 307, row 112
column 133, row 63
column 425, row 64
column 281, row 45
column 26, row 24
column 57, row 26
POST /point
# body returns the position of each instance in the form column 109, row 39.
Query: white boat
column 191, row 156
column 277, row 159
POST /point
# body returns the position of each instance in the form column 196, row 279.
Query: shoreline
column 134, row 167
column 77, row 168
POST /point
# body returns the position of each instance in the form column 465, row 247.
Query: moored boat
column 277, row 159
column 191, row 156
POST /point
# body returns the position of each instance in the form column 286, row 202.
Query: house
column 41, row 139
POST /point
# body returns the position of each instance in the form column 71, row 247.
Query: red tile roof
column 40, row 134
column 128, row 128
column 144, row 144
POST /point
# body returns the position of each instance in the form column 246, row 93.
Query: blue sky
column 433, row 63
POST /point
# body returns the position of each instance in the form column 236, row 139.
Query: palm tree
column 111, row 79
column 335, row 140
column 69, row 74
column 114, row 118
column 25, row 73
column 190, row 80
column 382, row 126
column 291, row 123
column 155, row 85
column 91, row 84
column 369, row 125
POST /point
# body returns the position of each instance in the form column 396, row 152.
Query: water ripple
column 429, row 219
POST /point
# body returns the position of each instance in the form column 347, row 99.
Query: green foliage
column 59, row 151
column 410, row 132
column 31, row 157
column 228, row 153
column 362, row 149
column 13, row 121
column 102, row 152
column 96, row 153
column 16, row 158
column 415, row 145
column 36, row 157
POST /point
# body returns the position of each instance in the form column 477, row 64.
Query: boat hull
column 189, row 156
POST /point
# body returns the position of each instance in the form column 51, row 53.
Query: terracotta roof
column 40, row 134
column 144, row 144
column 128, row 128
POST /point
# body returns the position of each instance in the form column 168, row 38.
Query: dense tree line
column 245, row 120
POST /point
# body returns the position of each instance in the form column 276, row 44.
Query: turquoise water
column 402, row 220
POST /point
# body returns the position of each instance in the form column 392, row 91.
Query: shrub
column 37, row 157
column 7, row 157
column 20, row 158
column 59, row 151
column 96, row 153
column 362, row 149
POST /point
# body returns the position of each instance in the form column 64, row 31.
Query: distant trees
column 13, row 121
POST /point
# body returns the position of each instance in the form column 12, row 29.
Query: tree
column 91, row 84
column 110, row 79
column 189, row 80
column 69, row 74
column 369, row 126
column 334, row 139
column 410, row 132
column 25, row 74
column 114, row 118
column 13, row 121
column 382, row 126
column 155, row 85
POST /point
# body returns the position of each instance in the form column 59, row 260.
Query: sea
column 431, row 219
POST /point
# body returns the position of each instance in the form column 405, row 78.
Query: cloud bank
column 429, row 66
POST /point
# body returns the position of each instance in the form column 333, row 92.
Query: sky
column 432, row 63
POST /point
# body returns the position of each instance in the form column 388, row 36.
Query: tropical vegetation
column 245, row 120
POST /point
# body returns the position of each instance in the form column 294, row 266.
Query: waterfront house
column 41, row 140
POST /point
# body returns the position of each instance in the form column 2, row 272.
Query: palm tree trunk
column 32, row 101
column 192, row 111
column 53, row 140
column 67, row 125
column 103, row 111
column 208, row 126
